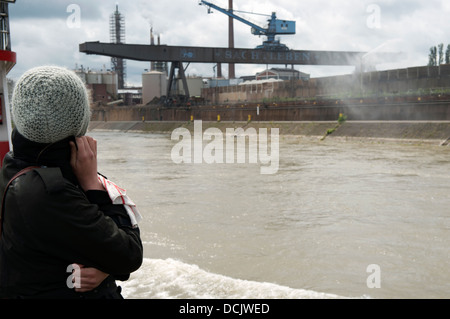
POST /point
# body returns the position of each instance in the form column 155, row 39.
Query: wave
column 173, row 279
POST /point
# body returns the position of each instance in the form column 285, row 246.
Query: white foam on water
column 173, row 279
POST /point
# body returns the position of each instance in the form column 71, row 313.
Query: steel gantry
column 178, row 55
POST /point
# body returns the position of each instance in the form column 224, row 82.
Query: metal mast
column 7, row 62
column 231, row 68
column 5, row 39
column 117, row 36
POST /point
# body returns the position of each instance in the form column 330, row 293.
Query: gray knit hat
column 50, row 103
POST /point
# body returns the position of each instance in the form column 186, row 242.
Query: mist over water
column 309, row 231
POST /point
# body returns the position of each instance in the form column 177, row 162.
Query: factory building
column 102, row 85
column 282, row 74
column 154, row 84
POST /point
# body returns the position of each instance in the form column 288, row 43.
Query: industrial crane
column 275, row 27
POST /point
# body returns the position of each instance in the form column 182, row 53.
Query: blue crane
column 274, row 27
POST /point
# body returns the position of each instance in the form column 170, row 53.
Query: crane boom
column 230, row 13
column 275, row 27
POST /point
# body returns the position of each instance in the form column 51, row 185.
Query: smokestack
column 152, row 38
column 231, row 69
column 152, row 42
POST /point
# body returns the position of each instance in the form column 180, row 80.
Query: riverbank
column 434, row 132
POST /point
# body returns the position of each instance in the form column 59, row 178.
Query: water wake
column 173, row 279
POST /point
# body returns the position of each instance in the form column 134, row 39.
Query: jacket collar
column 55, row 154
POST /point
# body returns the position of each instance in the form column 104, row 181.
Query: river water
column 338, row 219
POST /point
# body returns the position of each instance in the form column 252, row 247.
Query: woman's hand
column 84, row 163
column 89, row 278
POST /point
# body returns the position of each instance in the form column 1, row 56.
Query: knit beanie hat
column 49, row 104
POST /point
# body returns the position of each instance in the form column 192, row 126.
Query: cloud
column 52, row 9
column 40, row 33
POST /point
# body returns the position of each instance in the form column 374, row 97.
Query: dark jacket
column 50, row 223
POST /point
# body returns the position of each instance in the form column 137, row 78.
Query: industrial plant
column 275, row 93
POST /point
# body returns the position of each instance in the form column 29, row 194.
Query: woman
column 58, row 217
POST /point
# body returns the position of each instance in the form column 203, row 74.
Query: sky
column 49, row 31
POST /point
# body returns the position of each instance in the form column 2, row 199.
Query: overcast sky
column 50, row 31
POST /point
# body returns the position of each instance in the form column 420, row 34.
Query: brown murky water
column 316, row 229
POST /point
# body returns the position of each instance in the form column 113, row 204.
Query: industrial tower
column 117, row 36
column 231, row 66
